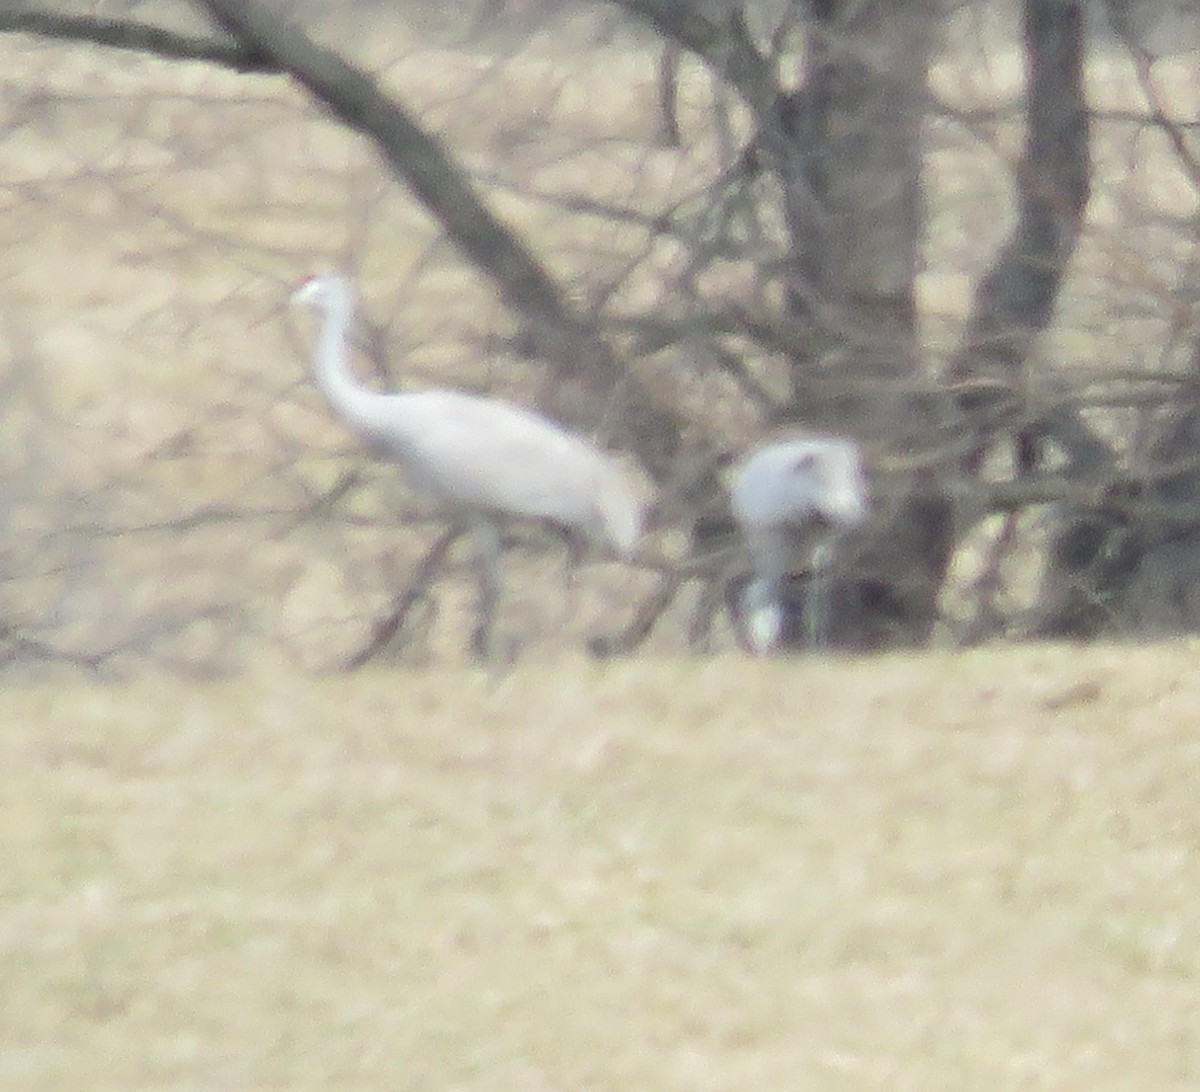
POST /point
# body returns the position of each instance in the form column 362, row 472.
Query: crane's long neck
column 353, row 402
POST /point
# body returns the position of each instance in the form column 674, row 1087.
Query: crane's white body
column 805, row 483
column 481, row 456
column 482, row 459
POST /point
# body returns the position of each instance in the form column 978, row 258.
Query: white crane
column 804, row 483
column 482, row 459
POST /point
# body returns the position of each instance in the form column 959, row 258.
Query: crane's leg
column 817, row 605
column 572, row 600
column 487, row 540
column 727, row 587
column 762, row 614
column 762, row 595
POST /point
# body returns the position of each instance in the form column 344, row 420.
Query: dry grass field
column 950, row 871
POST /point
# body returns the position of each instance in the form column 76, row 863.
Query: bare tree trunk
column 1118, row 566
column 849, row 148
column 1015, row 301
column 846, row 148
column 849, row 152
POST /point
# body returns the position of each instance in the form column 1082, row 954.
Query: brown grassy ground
column 942, row 872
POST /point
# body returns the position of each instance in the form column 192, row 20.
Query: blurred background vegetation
column 962, row 233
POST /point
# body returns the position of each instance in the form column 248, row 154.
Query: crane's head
column 320, row 291
column 802, row 478
column 830, row 477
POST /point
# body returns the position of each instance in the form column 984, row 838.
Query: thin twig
column 390, row 624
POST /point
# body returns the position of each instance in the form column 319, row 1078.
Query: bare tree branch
column 417, row 156
column 260, row 41
column 725, row 44
column 1175, row 132
column 135, row 35
column 560, row 333
column 417, row 588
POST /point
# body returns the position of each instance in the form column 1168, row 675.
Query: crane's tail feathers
column 620, row 515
